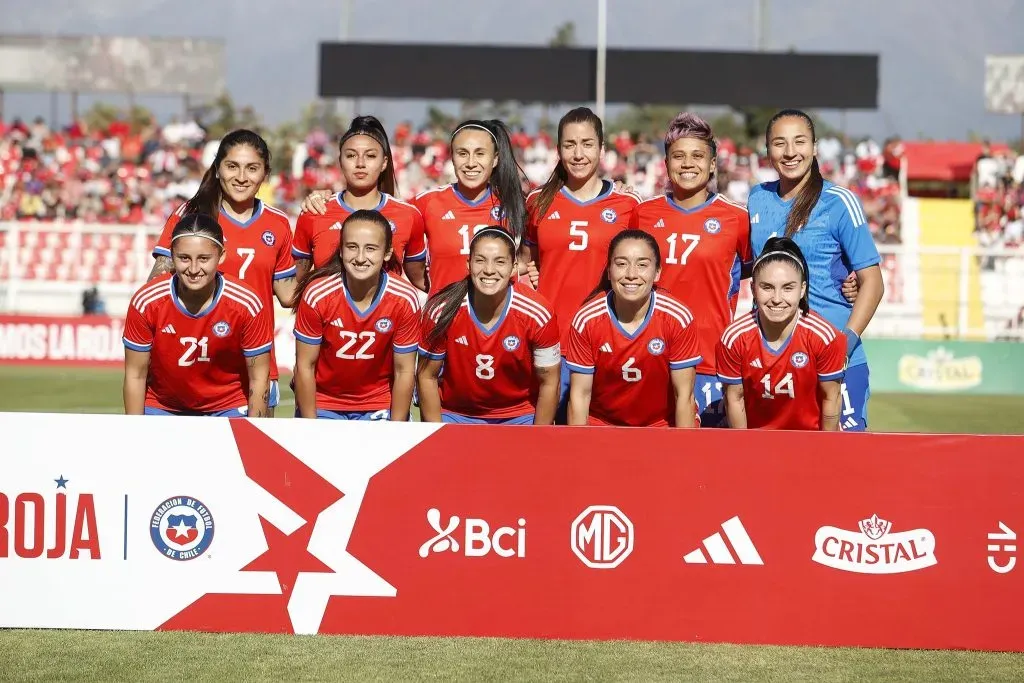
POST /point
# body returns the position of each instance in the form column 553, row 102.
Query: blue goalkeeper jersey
column 835, row 241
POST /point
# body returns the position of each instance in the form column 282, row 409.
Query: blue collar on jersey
column 606, row 190
column 257, row 210
column 467, row 202
column 343, row 204
column 764, row 342
column 497, row 323
column 213, row 302
column 671, row 201
column 376, row 297
column 618, row 325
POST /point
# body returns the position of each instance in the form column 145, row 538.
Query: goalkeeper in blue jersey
column 828, row 223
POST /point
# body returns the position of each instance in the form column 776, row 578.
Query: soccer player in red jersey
column 487, row 192
column 369, row 172
column 705, row 239
column 782, row 365
column 572, row 220
column 197, row 342
column 258, row 237
column 357, row 330
column 632, row 350
column 498, row 344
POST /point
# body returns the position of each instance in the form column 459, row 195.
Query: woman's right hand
column 316, row 202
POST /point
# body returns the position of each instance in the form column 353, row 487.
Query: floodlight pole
column 602, row 50
column 343, row 106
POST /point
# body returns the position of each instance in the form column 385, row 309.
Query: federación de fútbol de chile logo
column 181, row 528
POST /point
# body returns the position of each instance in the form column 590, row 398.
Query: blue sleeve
column 852, row 231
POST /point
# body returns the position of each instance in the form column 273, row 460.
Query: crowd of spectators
column 998, row 197
column 121, row 175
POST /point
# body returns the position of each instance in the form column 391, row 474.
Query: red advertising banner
column 601, row 533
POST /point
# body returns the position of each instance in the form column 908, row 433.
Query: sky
column 932, row 52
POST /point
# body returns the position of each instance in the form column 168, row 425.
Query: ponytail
column 335, row 266
column 371, row 126
column 801, row 210
column 444, row 306
column 207, row 198
column 559, row 176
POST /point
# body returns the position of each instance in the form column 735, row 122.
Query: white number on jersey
column 687, row 242
column 629, row 373
column 247, row 254
column 484, row 366
column 783, row 388
column 351, row 338
column 847, row 404
column 466, row 237
column 577, row 231
column 193, row 345
column 707, row 390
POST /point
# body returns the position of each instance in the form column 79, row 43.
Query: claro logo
column 873, row 550
column 476, row 540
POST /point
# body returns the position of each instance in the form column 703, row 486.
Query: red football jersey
column 258, row 252
column 318, row 237
column 570, row 246
column 489, row 373
column 632, row 382
column 450, row 221
column 780, row 388
column 197, row 362
column 355, row 367
column 702, row 250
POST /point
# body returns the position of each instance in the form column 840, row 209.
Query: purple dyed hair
column 687, row 125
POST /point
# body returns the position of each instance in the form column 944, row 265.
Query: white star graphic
column 181, row 529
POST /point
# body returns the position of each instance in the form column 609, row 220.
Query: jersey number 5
column 192, row 346
column 783, row 388
column 577, row 232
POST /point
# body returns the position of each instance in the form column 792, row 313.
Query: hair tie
column 199, row 234
column 476, row 125
column 799, row 265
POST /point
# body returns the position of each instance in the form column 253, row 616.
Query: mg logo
column 477, row 539
column 602, row 537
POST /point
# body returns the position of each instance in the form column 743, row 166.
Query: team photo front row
column 577, row 304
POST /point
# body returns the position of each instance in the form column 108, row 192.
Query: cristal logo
column 873, row 550
column 477, row 538
column 32, row 525
column 602, row 537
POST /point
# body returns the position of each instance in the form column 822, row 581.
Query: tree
column 565, row 35
column 101, row 115
column 649, row 119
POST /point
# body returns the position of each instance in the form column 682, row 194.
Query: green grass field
column 81, row 655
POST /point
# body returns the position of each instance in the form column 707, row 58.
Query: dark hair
column 446, row 303
column 506, row 181
column 808, row 197
column 335, row 266
column 605, row 284
column 198, row 225
column 783, row 250
column 372, row 127
column 556, row 181
column 207, row 198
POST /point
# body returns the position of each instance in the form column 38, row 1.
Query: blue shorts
column 455, row 418
column 234, row 412
column 562, row 412
column 710, row 401
column 275, row 394
column 856, row 391
column 373, row 415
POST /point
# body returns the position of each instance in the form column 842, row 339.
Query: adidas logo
column 606, row 347
column 660, row 223
column 462, row 340
column 756, row 219
column 338, row 323
column 450, row 216
column 336, row 226
column 554, row 216
column 169, row 329
column 719, row 551
column 850, row 423
column 756, row 363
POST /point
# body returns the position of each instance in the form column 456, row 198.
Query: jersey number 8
column 484, row 366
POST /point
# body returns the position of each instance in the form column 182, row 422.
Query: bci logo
column 476, row 540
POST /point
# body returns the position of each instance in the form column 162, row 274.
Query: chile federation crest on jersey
column 511, row 343
column 383, row 325
column 181, row 528
column 497, row 213
column 712, row 226
column 609, row 215
column 799, row 359
column 656, row 346
column 268, row 238
column 222, row 329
